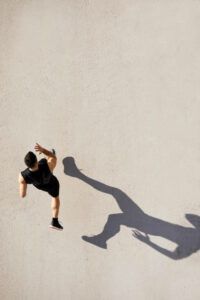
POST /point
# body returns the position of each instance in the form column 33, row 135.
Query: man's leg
column 55, row 205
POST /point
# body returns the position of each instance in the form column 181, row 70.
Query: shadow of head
column 70, row 167
column 194, row 220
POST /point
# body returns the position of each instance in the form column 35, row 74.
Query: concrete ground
column 113, row 86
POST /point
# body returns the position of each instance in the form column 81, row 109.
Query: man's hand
column 38, row 148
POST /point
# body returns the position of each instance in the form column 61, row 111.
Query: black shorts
column 54, row 187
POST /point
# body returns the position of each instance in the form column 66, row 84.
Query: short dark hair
column 30, row 159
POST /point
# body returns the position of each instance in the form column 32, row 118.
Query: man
column 40, row 174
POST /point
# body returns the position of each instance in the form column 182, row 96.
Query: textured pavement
column 113, row 86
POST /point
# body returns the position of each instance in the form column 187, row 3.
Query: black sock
column 55, row 219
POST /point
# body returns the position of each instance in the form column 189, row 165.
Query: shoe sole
column 52, row 227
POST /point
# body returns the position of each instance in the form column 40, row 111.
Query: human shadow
column 143, row 225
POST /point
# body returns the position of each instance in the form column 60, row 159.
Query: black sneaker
column 56, row 225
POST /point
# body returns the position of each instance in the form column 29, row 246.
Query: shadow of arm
column 104, row 188
column 71, row 169
column 124, row 202
column 145, row 239
column 173, row 255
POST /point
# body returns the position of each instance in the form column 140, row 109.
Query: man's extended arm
column 22, row 186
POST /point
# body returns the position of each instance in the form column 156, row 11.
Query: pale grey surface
column 114, row 84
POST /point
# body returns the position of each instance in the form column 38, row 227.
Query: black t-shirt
column 42, row 178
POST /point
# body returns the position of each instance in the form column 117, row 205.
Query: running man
column 40, row 174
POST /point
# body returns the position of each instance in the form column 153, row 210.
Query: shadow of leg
column 111, row 228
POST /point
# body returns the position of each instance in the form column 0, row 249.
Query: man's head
column 30, row 159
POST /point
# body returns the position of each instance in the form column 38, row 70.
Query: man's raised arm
column 46, row 152
column 51, row 158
